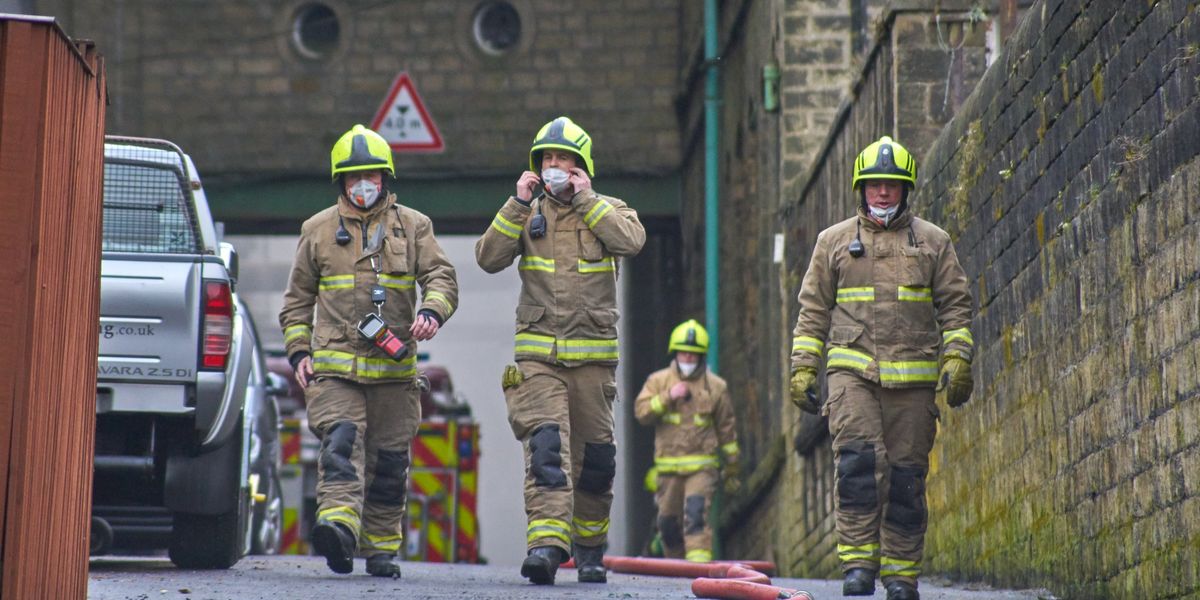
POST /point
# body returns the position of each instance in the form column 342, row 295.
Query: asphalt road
column 306, row 578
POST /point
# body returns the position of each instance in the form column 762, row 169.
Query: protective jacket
column 884, row 315
column 567, row 313
column 391, row 245
column 690, row 431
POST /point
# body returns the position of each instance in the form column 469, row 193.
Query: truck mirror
column 230, row 258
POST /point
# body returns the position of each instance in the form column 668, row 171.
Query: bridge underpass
column 262, row 219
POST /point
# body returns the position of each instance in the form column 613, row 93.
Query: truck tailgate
column 149, row 318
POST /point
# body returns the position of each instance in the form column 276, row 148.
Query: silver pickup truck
column 186, row 420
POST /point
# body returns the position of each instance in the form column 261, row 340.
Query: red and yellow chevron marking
column 436, row 521
column 289, row 441
column 434, row 445
column 436, row 465
column 468, row 550
column 290, row 539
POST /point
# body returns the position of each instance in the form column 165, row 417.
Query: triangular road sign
column 403, row 121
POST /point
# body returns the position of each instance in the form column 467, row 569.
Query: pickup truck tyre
column 268, row 520
column 205, row 541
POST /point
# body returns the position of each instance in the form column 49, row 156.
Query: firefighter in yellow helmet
column 885, row 307
column 560, row 393
column 694, row 434
column 379, row 283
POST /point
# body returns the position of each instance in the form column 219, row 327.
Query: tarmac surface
column 307, row 578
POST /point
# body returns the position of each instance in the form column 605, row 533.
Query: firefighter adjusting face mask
column 555, row 180
column 364, row 194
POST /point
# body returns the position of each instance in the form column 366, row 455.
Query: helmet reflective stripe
column 885, row 159
column 689, row 336
column 360, row 149
column 563, row 134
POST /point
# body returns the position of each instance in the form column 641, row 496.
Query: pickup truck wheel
column 268, row 520
column 205, row 541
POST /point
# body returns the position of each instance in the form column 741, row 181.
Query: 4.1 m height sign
column 403, row 121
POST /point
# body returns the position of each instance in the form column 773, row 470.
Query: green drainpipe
column 712, row 102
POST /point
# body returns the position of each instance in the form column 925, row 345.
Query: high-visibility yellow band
column 536, row 263
column 440, row 298
column 296, row 332
column 856, row 294
column 687, row 463
column 656, row 405
column 730, row 449
column 848, row 359
column 382, row 543
column 914, row 294
column 332, row 360
column 506, row 227
column 532, row 343
column 336, row 282
column 387, row 368
column 700, row 420
column 548, row 528
column 804, row 343
column 397, row 282
column 868, row 552
column 341, row 514
column 908, row 371
column 605, row 265
column 587, row 349
column 589, row 529
column 597, row 212
column 699, row 555
column 895, row 567
column 672, row 418
column 958, row 335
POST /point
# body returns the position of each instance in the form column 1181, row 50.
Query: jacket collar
column 900, row 222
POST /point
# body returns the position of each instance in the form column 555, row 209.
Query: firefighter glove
column 804, row 396
column 512, row 377
column 955, row 382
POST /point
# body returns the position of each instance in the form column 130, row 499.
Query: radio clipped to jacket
column 374, row 328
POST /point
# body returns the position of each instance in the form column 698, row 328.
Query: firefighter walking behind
column 560, row 393
column 361, row 263
column 694, row 433
column 886, row 306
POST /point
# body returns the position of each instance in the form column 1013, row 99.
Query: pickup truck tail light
column 218, row 325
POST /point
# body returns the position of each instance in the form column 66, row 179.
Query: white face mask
column 686, row 369
column 364, row 194
column 556, row 180
column 884, row 215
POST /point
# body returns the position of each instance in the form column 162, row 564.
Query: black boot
column 859, row 582
column 589, row 564
column 382, row 565
column 901, row 590
column 541, row 564
column 336, row 544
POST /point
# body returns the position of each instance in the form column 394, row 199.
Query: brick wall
column 1069, row 179
column 222, row 79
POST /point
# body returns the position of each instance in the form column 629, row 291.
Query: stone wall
column 224, row 80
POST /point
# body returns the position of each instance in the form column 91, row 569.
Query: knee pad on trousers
column 906, row 499
column 336, row 448
column 671, row 531
column 599, row 468
column 693, row 515
column 856, row 476
column 391, row 472
column 545, row 457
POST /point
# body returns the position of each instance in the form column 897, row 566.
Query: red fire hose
column 723, row 580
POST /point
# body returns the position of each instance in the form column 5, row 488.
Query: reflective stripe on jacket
column 889, row 315
column 337, row 280
column 690, row 434
column 567, row 313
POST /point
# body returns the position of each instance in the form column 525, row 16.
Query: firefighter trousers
column 683, row 502
column 362, row 469
column 563, row 417
column 881, row 443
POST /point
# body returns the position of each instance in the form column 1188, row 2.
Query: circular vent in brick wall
column 315, row 31
column 497, row 27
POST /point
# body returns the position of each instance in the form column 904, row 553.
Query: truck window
column 145, row 209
